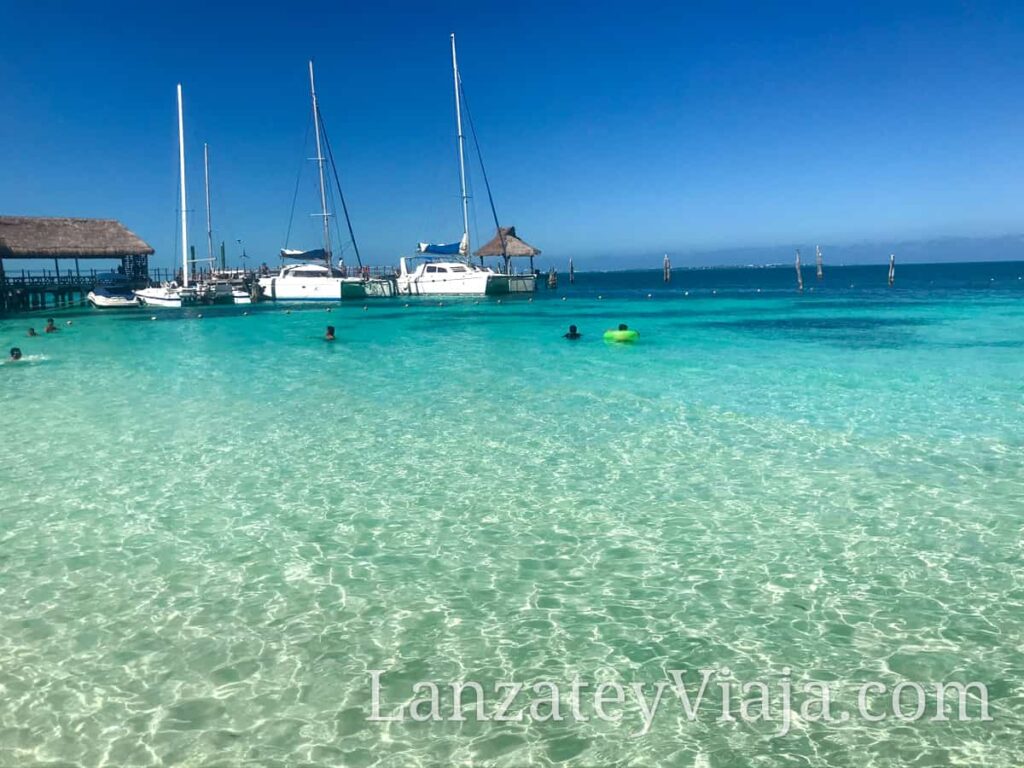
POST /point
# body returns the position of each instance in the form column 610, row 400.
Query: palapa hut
column 36, row 237
column 507, row 245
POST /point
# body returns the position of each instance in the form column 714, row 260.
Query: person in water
column 15, row 354
column 50, row 327
column 330, row 333
column 573, row 333
column 623, row 327
column 32, row 332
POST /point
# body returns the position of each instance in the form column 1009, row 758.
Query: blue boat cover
column 450, row 249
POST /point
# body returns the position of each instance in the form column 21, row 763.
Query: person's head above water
column 15, row 353
column 32, row 332
column 623, row 327
column 330, row 333
column 573, row 333
column 50, row 327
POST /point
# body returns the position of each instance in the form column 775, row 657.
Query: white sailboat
column 314, row 278
column 216, row 287
column 171, row 294
column 430, row 273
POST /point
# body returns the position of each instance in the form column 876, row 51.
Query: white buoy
column 200, row 315
column 365, row 308
column 563, row 298
column 152, row 317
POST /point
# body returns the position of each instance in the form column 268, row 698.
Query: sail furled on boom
column 318, row 254
column 441, row 249
column 460, row 248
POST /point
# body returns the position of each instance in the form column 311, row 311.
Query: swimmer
column 623, row 327
column 50, row 327
column 15, row 354
column 573, row 334
column 330, row 333
column 32, row 332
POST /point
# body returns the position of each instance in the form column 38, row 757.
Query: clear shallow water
column 213, row 528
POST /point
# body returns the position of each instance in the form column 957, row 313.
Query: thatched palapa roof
column 513, row 245
column 36, row 237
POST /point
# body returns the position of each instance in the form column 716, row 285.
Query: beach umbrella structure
column 507, row 245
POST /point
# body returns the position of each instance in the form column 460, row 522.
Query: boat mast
column 209, row 221
column 184, row 204
column 462, row 153
column 320, row 167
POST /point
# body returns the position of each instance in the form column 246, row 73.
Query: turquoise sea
column 212, row 529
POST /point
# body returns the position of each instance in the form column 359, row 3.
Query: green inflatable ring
column 629, row 335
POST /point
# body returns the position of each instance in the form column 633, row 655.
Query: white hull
column 240, row 297
column 171, row 298
column 112, row 302
column 476, row 283
column 302, row 289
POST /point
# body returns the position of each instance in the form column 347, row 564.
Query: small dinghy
column 111, row 298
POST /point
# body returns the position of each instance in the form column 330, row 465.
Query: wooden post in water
column 799, row 273
column 666, row 269
column 892, row 269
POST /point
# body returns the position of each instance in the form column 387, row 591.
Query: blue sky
column 613, row 130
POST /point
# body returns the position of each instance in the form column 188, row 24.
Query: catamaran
column 314, row 277
column 171, row 294
column 446, row 269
